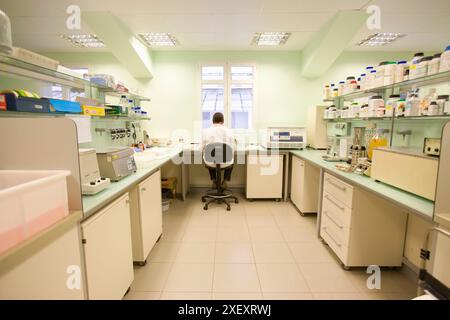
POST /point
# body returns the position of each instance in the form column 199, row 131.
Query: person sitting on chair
column 218, row 133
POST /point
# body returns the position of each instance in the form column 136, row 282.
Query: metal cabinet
column 108, row 251
column 264, row 177
column 305, row 180
column 146, row 216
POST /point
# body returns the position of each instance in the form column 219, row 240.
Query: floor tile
column 272, row 253
column 150, row 277
column 200, row 234
column 265, row 234
column 190, row 277
column 327, row 277
column 288, row 220
column 236, row 296
column 232, row 220
column 281, row 278
column 391, row 296
column 196, row 253
column 142, row 295
column 186, row 296
column 234, row 252
column 340, row 296
column 203, row 220
column 299, row 234
column 172, row 235
column 305, row 252
column 261, row 221
column 233, row 234
column 287, row 296
column 235, row 278
column 392, row 281
column 163, row 252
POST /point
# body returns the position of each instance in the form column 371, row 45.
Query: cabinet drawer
column 340, row 190
column 339, row 235
column 336, row 211
column 327, row 234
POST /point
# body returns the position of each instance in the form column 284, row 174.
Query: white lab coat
column 218, row 133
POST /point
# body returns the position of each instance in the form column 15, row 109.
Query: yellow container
column 94, row 111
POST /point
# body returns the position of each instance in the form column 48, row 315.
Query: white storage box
column 30, row 201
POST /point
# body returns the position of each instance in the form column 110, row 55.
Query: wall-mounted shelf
column 16, row 114
column 441, row 117
column 437, row 78
column 11, row 66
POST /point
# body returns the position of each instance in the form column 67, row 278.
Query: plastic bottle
column 123, row 104
column 412, row 107
column 425, row 102
column 400, row 107
column 378, row 140
column 362, row 82
column 413, row 64
column 433, row 65
column 444, row 64
column 400, row 71
column 390, row 104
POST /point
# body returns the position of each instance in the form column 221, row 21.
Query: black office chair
column 218, row 156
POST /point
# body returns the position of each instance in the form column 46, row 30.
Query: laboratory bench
column 411, row 202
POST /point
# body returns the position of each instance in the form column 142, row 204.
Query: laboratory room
column 225, row 150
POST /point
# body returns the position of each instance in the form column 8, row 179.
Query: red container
column 2, row 102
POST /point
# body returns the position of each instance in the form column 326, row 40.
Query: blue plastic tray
column 65, row 106
column 25, row 104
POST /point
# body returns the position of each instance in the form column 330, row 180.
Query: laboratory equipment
column 285, row 138
column 116, row 163
column 432, row 146
column 378, row 140
column 358, row 148
column 91, row 181
column 395, row 165
column 5, row 34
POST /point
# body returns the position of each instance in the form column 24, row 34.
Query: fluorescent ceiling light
column 84, row 40
column 380, row 39
column 158, row 39
column 270, row 38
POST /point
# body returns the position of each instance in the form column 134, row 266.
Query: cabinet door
column 108, row 251
column 150, row 210
column 297, row 181
column 264, row 176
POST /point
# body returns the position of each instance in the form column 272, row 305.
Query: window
column 228, row 89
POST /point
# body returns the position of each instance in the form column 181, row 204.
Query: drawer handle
column 143, row 189
column 336, row 185
column 334, row 202
column 337, row 243
column 332, row 219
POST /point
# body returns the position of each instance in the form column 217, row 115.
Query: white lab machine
column 91, row 181
column 285, row 138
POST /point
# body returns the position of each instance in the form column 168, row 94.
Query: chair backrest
column 218, row 153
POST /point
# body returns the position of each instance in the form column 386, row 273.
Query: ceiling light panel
column 84, row 40
column 270, row 38
column 380, row 39
column 158, row 39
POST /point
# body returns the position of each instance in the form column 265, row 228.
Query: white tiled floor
column 259, row 250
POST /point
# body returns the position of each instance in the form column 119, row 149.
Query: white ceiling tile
column 311, row 6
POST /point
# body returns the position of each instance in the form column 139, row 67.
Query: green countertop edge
column 411, row 202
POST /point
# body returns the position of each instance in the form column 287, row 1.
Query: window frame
column 227, row 82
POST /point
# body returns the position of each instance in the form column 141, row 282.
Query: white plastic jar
column 390, row 104
column 375, row 102
column 444, row 64
column 364, row 111
column 433, row 65
column 413, row 64
column 354, row 110
column 379, row 75
column 362, row 81
column 441, row 101
column 345, row 113
column 422, row 67
column 389, row 73
column 433, row 109
column 341, row 87
column 326, row 92
column 400, row 71
column 370, row 80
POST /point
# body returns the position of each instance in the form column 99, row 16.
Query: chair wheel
column 203, row 200
column 228, row 208
column 205, row 208
column 236, row 201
